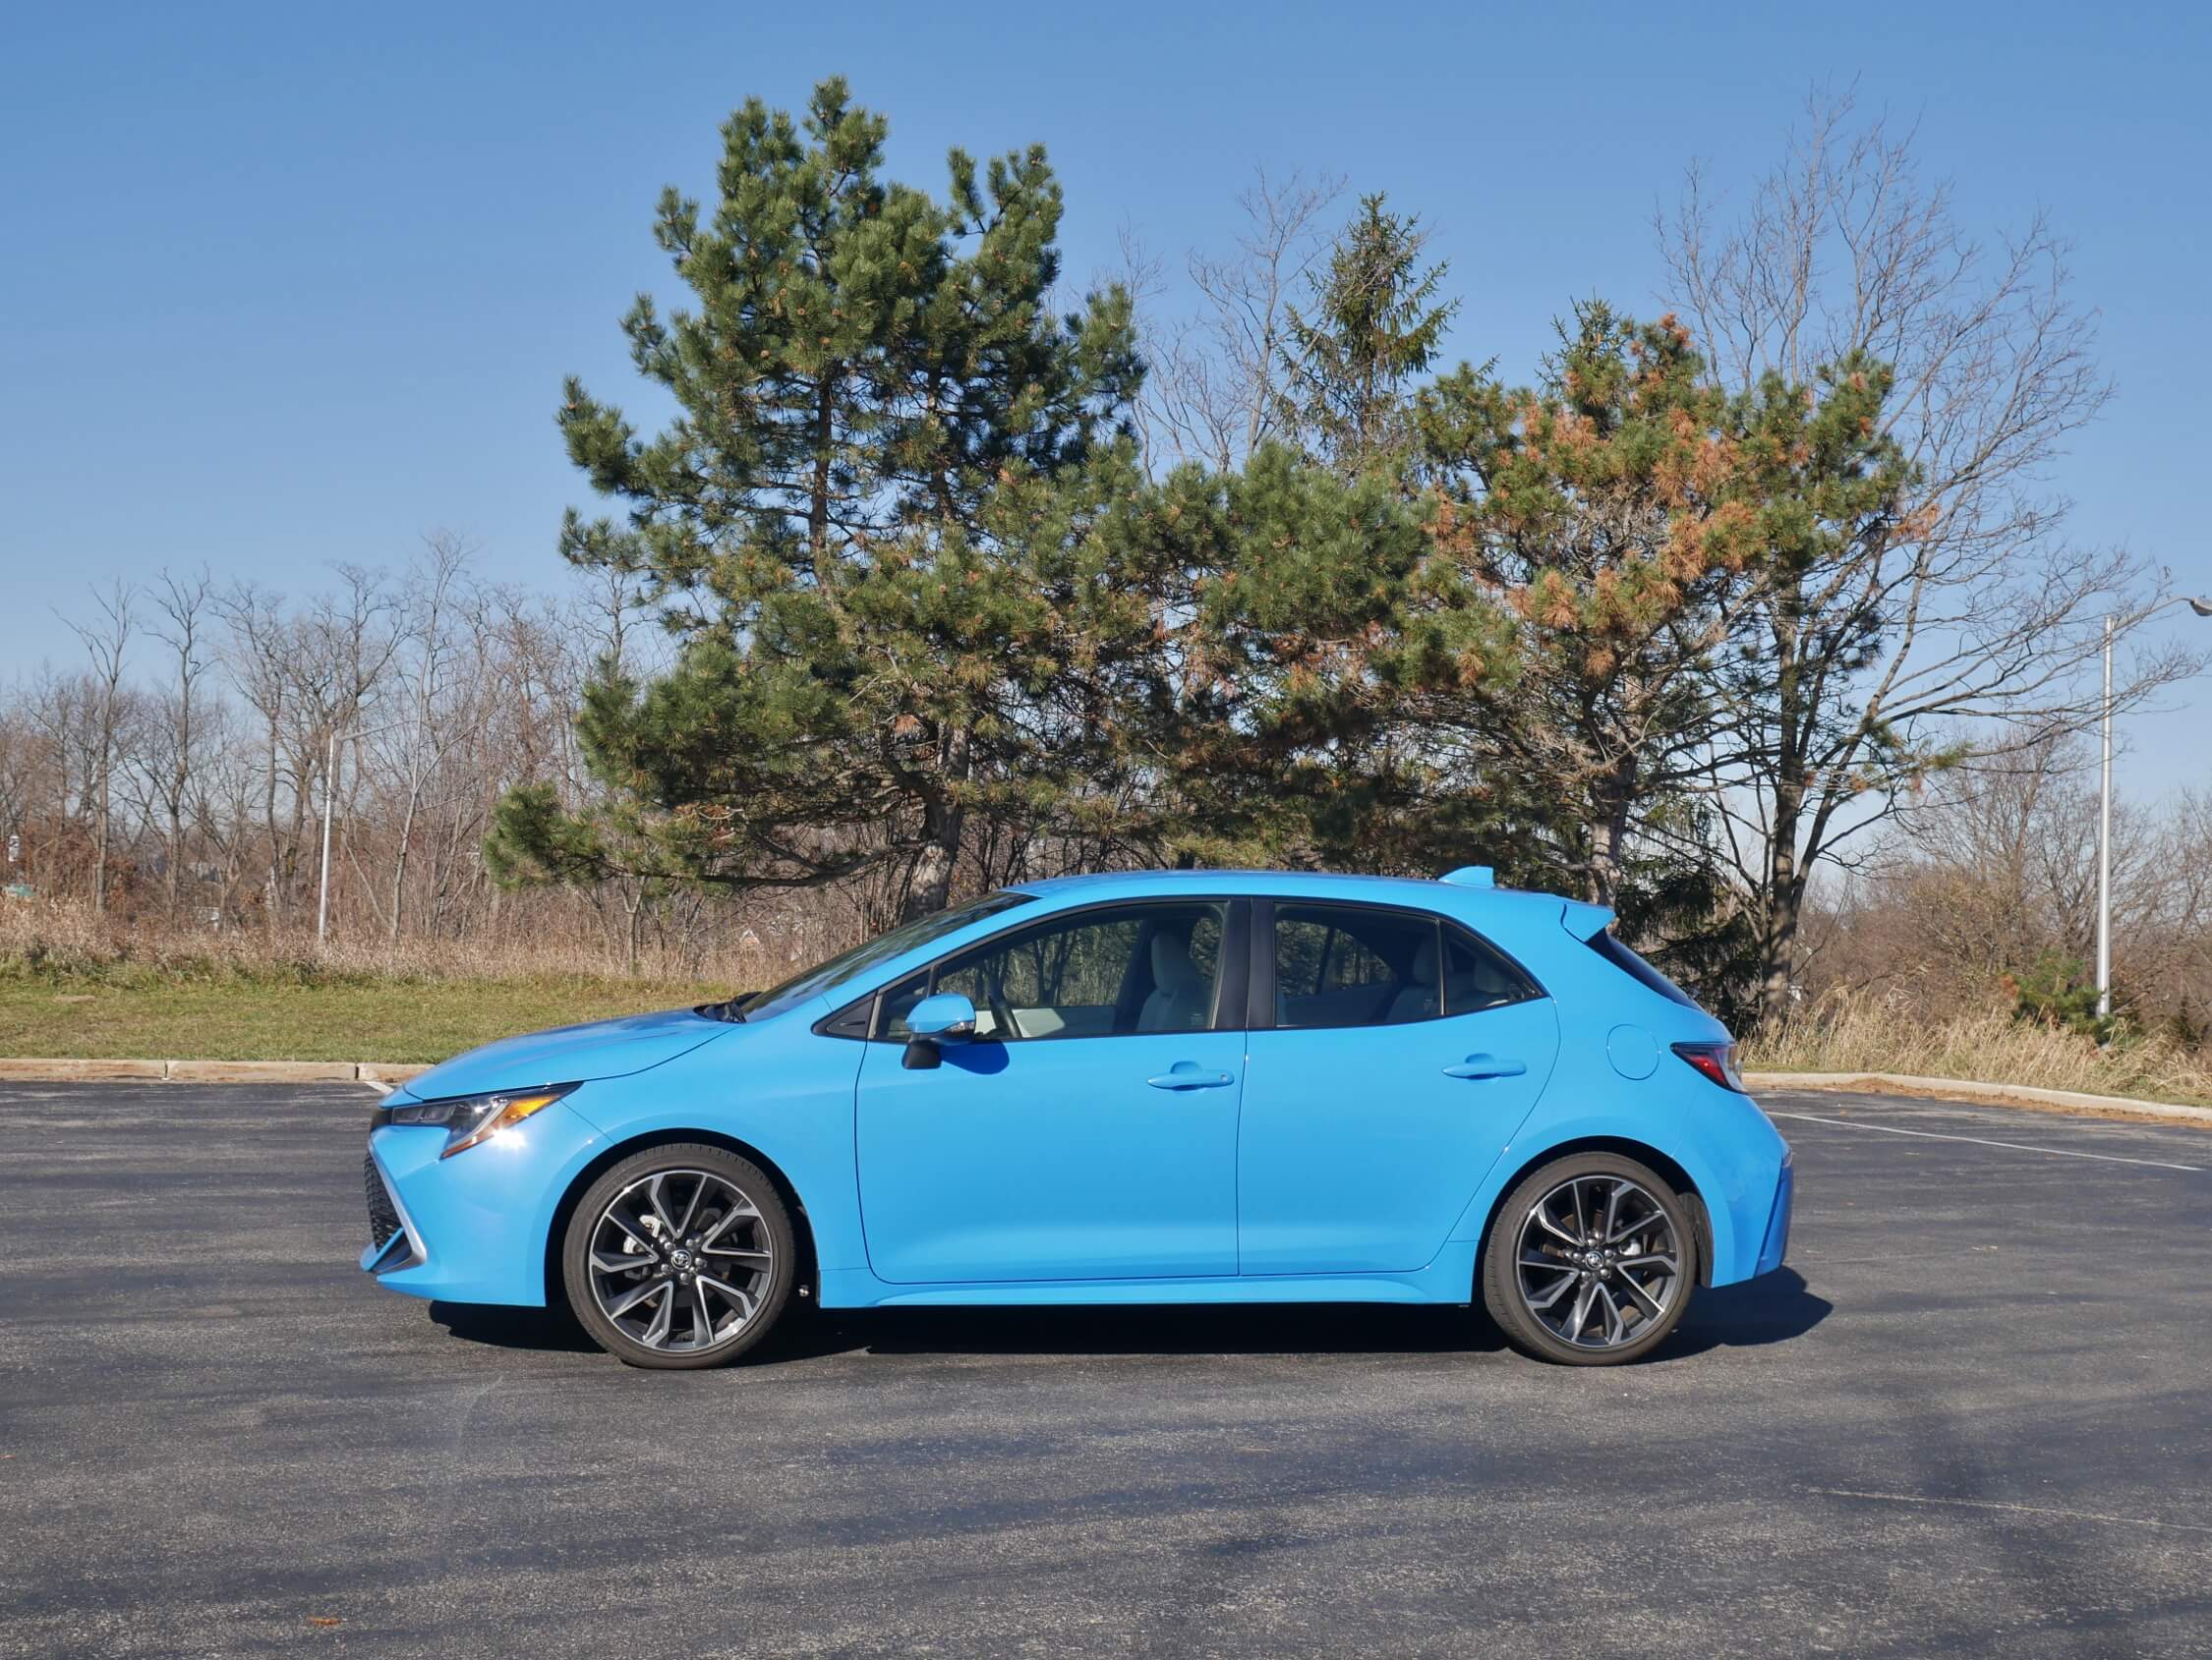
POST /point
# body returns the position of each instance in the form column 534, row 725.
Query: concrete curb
column 392, row 1072
column 211, row 1071
column 1995, row 1095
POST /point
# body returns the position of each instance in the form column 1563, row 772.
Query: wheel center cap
column 679, row 1258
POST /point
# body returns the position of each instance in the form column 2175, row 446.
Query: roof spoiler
column 1584, row 922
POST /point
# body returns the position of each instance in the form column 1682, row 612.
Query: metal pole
column 331, row 766
column 2103, row 850
column 2201, row 604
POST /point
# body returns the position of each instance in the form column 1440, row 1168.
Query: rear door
column 1089, row 1130
column 1394, row 1054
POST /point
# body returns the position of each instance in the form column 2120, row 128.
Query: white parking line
column 2018, row 1510
column 2016, row 1146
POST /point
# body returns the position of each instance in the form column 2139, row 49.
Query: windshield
column 883, row 948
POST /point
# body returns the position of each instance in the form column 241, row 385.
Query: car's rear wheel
column 680, row 1256
column 1591, row 1261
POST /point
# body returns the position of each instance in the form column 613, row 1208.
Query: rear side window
column 1362, row 965
column 1636, row 968
column 1346, row 965
column 1478, row 976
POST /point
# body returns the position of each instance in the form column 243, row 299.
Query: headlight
column 470, row 1118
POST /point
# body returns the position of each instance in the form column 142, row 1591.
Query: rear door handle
column 1486, row 1066
column 1185, row 1074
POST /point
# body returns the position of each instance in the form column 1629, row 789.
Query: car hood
column 599, row 1048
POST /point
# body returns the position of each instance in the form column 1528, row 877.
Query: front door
column 1405, row 1054
column 1089, row 1132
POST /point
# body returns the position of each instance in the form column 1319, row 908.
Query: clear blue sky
column 286, row 286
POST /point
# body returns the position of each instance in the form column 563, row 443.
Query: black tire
column 1626, row 1298
column 704, row 1289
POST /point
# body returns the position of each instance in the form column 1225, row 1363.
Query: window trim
column 1260, row 1010
column 1229, row 995
column 1259, row 1000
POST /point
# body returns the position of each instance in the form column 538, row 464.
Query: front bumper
column 472, row 1228
column 394, row 1243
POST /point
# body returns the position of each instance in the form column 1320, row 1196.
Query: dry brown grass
column 63, row 939
column 72, row 986
column 1866, row 1032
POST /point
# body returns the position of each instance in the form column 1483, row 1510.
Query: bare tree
column 429, row 606
column 216, row 778
column 346, row 643
column 174, row 753
column 107, row 641
column 258, row 656
column 1213, row 392
column 1992, row 876
column 25, row 777
column 1965, row 602
column 312, row 675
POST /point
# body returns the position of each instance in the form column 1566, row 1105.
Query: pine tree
column 1375, row 324
column 1286, row 739
column 1288, row 743
column 866, row 526
column 1611, row 512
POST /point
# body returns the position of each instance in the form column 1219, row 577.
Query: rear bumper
column 1777, row 1222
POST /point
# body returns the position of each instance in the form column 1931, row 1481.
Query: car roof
column 1420, row 892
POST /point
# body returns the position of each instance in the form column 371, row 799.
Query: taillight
column 1716, row 1060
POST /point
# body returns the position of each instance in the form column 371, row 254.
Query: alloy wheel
column 680, row 1261
column 1598, row 1262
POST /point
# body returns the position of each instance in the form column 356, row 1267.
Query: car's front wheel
column 1591, row 1261
column 680, row 1256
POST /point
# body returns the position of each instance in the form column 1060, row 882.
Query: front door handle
column 1486, row 1066
column 1185, row 1074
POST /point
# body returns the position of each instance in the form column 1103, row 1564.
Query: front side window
column 1110, row 972
column 1360, row 965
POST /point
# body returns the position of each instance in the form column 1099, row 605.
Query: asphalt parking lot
column 1971, row 1418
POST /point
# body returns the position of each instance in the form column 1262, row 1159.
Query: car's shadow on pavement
column 1216, row 1329
column 550, row 1330
column 1774, row 1308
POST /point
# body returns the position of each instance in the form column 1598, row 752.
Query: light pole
column 2203, row 608
column 329, row 783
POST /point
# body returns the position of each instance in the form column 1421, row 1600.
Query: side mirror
column 946, row 1017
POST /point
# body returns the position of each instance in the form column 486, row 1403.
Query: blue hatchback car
column 1155, row 1088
